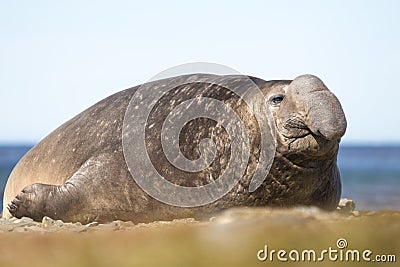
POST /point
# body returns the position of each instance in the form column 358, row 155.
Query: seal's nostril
column 330, row 135
column 320, row 134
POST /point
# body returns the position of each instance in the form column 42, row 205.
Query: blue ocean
column 370, row 174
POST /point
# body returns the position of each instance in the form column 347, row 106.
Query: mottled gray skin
column 78, row 172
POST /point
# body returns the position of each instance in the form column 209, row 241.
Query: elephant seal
column 79, row 171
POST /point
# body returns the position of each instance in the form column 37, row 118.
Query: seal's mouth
column 297, row 138
column 308, row 150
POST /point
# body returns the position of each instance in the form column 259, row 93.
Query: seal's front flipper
column 84, row 197
column 39, row 200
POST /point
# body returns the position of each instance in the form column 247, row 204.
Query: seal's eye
column 277, row 99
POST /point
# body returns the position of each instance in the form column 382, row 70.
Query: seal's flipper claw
column 12, row 208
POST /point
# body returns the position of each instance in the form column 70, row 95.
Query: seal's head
column 309, row 117
column 309, row 122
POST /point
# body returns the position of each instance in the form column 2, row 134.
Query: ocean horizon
column 370, row 173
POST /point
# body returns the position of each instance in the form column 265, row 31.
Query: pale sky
column 59, row 57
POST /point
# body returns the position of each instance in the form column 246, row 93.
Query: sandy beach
column 231, row 238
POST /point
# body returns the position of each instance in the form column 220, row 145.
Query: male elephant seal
column 79, row 173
